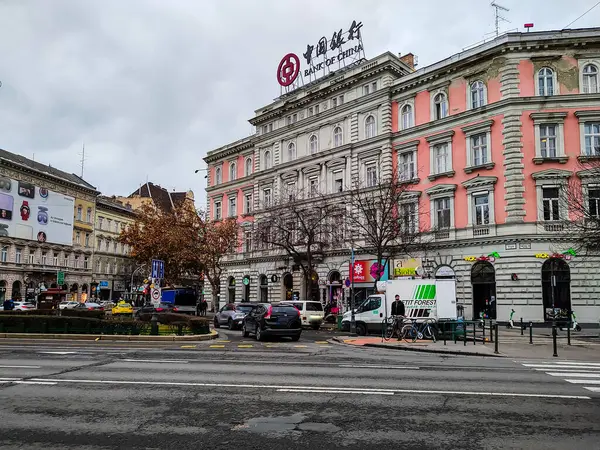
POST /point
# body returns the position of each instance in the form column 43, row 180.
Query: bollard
column 483, row 332
column 454, row 331
column 474, row 331
column 531, row 332
column 554, row 340
column 491, row 331
column 465, row 334
column 521, row 326
column 154, row 325
column 496, row 338
column 569, row 332
column 444, row 331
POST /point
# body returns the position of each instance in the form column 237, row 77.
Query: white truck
column 423, row 299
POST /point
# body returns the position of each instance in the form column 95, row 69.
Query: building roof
column 162, row 198
column 44, row 169
column 114, row 204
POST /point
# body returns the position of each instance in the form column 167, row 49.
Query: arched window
column 218, row 175
column 477, row 94
column 263, row 289
column 338, row 137
column 268, row 160
column 546, row 81
column 313, row 144
column 590, row 79
column 440, row 106
column 369, row 127
column 248, row 166
column 407, row 116
column 232, row 171
column 291, row 151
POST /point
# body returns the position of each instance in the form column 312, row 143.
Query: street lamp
column 202, row 170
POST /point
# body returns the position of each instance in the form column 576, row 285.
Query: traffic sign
column 60, row 278
column 155, row 294
column 158, row 269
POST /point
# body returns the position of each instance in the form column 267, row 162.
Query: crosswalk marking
column 582, row 373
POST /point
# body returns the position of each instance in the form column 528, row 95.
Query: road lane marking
column 162, row 361
column 561, row 367
column 574, row 374
column 332, row 388
column 351, row 366
column 321, row 342
column 245, row 346
column 330, row 391
column 47, row 383
column 59, row 353
column 583, row 381
column 217, row 346
column 300, row 346
column 8, row 379
column 579, row 363
column 592, row 388
column 188, row 346
column 20, row 367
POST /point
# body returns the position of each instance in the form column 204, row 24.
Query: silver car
column 232, row 314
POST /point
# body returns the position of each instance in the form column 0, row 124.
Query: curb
column 105, row 337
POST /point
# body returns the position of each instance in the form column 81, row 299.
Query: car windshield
column 243, row 308
column 314, row 306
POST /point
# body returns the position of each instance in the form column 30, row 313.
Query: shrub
column 94, row 314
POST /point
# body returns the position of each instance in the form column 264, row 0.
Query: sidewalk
column 510, row 345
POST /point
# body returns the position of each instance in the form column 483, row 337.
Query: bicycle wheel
column 408, row 332
column 429, row 333
column 389, row 330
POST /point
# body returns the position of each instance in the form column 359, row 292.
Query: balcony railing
column 554, row 226
column 442, row 234
column 483, row 230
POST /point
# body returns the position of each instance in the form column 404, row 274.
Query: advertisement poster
column 35, row 213
column 365, row 269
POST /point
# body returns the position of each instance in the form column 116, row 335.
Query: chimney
column 409, row 59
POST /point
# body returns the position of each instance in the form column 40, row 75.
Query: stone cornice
column 441, row 189
column 545, row 116
column 478, row 127
column 440, row 137
column 551, row 174
column 589, row 114
column 410, row 145
column 478, row 181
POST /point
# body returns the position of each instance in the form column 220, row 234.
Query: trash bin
column 339, row 321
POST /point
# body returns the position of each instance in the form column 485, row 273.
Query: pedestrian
column 199, row 308
column 398, row 311
column 204, row 306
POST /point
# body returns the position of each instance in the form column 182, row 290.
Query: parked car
column 151, row 309
column 273, row 320
column 90, row 306
column 107, row 304
column 233, row 314
column 311, row 312
column 122, row 308
column 67, row 305
column 23, row 306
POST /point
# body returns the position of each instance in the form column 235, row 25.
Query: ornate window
column 370, row 129
column 546, row 81
column 248, row 166
column 291, row 151
column 406, row 115
column 232, row 171
column 590, row 79
column 313, row 144
column 338, row 137
column 440, row 106
column 478, row 94
column 268, row 159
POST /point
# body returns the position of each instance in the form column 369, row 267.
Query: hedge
column 16, row 322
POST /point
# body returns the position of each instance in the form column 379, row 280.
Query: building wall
column 513, row 174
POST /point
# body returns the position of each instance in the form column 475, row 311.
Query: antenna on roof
column 82, row 154
column 498, row 17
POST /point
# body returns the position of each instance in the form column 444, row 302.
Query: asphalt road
column 237, row 393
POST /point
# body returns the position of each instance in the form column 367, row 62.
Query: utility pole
column 82, row 159
column 498, row 17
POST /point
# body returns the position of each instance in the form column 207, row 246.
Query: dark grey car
column 232, row 314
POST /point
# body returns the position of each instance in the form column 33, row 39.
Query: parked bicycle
column 391, row 326
column 414, row 330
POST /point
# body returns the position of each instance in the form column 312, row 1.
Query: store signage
column 363, row 271
column 103, row 285
column 246, row 280
column 60, row 278
column 444, row 271
column 408, row 267
column 567, row 256
column 489, row 258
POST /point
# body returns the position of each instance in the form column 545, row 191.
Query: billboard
column 35, row 213
column 365, row 271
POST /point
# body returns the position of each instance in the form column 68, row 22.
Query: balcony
column 554, row 227
column 482, row 230
column 442, row 234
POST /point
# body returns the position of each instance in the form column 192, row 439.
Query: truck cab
column 368, row 315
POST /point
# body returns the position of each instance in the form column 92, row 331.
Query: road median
column 106, row 337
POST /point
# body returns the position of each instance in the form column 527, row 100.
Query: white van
column 311, row 313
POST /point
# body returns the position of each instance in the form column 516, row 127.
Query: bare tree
column 302, row 226
column 580, row 196
column 384, row 216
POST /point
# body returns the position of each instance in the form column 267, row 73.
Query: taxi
column 122, row 308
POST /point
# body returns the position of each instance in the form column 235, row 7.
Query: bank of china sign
column 343, row 49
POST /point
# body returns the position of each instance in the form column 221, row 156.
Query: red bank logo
column 288, row 69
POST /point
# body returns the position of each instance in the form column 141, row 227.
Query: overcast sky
column 151, row 85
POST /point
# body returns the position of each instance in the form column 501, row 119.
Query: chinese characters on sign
column 339, row 38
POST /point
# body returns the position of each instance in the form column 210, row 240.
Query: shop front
column 104, row 290
column 363, row 276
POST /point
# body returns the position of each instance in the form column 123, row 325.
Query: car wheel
column 217, row 325
column 361, row 329
column 230, row 324
column 244, row 331
column 258, row 333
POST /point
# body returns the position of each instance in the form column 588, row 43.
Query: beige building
column 112, row 266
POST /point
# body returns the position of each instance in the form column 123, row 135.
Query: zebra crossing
column 582, row 373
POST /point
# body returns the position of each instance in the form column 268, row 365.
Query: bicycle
column 415, row 331
column 391, row 326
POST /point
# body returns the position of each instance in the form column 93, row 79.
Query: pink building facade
column 486, row 139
